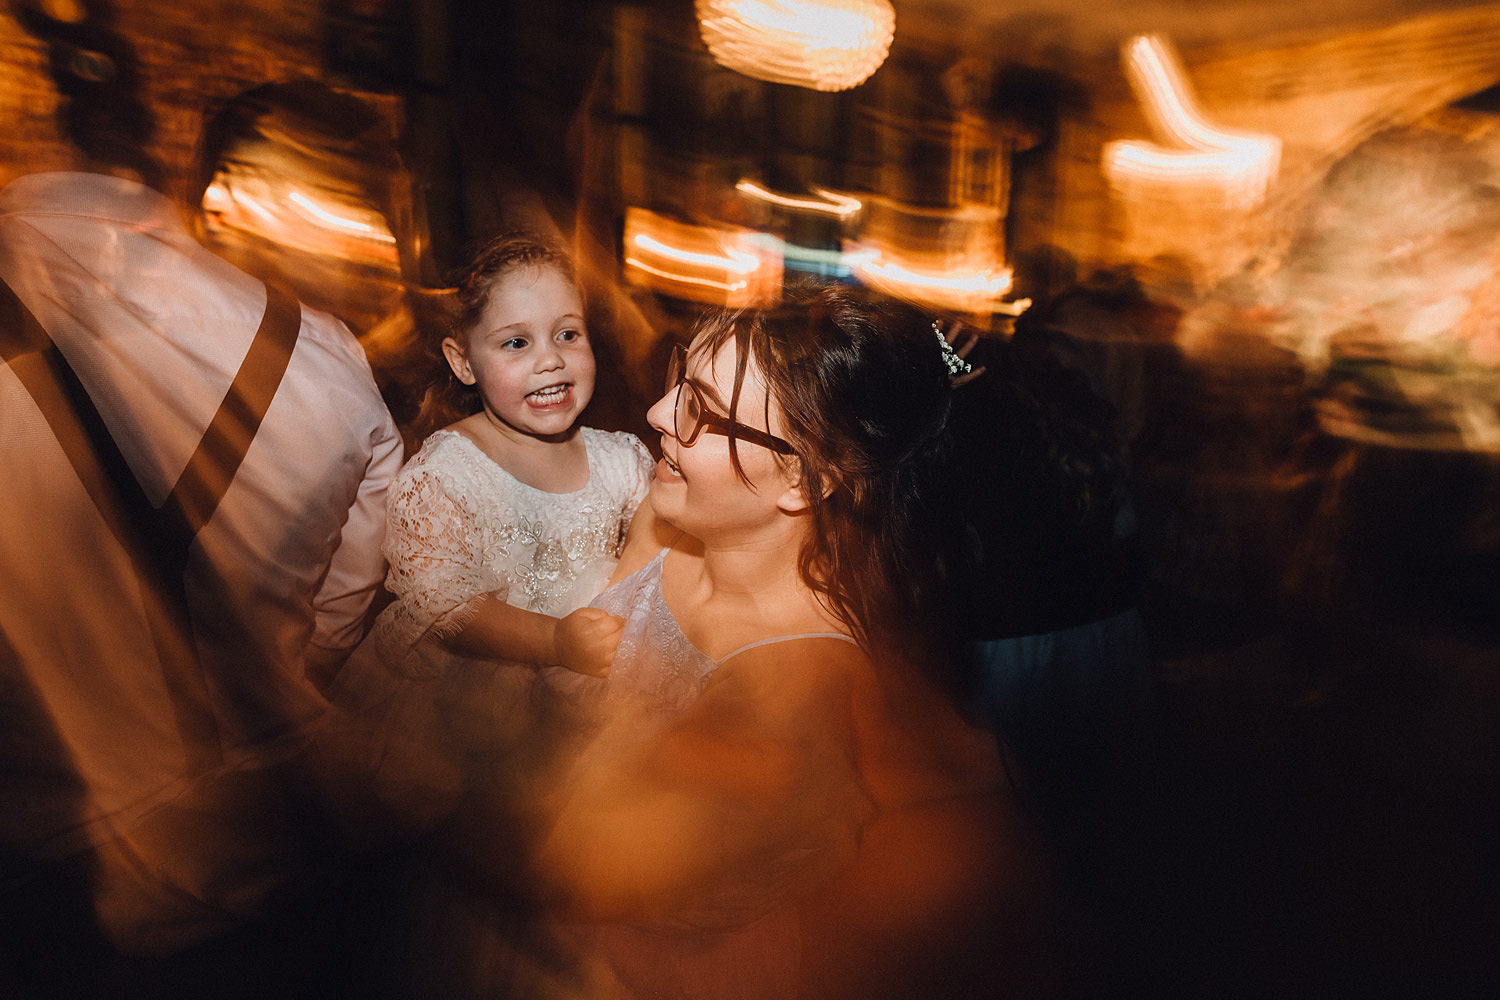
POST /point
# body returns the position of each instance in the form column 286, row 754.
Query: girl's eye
column 568, row 336
column 514, row 344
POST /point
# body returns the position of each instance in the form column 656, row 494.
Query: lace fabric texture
column 655, row 664
column 462, row 530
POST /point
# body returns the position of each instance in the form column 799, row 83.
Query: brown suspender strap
column 207, row 476
column 157, row 540
column 156, row 550
column 76, row 423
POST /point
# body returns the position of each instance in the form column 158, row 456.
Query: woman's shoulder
column 807, row 667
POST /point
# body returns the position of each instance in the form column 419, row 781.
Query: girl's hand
column 586, row 641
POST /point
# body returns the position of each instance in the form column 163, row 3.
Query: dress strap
column 789, row 638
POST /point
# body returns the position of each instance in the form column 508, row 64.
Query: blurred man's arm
column 357, row 568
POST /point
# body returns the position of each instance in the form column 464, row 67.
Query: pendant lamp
column 820, row 44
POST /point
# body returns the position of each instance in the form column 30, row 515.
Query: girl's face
column 696, row 487
column 529, row 354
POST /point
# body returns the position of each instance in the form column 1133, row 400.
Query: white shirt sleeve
column 357, row 567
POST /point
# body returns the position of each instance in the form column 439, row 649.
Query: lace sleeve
column 438, row 570
column 644, row 465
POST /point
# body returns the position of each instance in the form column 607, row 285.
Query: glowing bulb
column 821, row 44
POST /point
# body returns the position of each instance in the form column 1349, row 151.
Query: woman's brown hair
column 864, row 397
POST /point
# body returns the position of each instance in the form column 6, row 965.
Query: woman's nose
column 660, row 416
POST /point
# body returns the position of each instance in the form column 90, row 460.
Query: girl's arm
column 583, row 641
column 447, row 592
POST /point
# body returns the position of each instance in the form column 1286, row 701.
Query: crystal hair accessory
column 956, row 365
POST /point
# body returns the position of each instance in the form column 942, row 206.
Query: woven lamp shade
column 820, row 44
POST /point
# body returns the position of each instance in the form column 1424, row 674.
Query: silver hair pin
column 956, row 365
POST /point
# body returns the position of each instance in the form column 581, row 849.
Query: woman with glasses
column 781, row 801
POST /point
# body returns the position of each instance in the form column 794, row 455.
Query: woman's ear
column 794, row 499
column 458, row 360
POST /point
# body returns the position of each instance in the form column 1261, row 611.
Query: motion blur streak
column 1242, row 165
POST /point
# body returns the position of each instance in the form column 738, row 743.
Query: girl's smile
column 552, row 395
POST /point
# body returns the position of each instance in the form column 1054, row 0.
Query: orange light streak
column 320, row 214
column 1241, row 164
column 703, row 263
column 733, row 260
column 733, row 286
column 827, row 203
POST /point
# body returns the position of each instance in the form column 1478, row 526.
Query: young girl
column 507, row 521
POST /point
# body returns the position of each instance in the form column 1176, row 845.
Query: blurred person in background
column 1049, row 641
column 196, row 468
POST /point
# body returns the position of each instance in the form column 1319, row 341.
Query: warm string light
column 968, row 285
column 733, row 261
column 1241, row 164
column 839, row 206
column 315, row 212
column 736, row 268
column 982, row 283
column 820, row 44
column 700, row 263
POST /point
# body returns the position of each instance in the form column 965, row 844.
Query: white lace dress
column 461, row 530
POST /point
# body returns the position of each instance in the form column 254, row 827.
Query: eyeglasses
column 691, row 416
